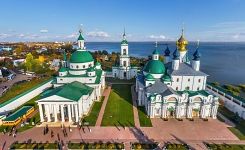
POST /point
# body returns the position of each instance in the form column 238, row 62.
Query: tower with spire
column 124, row 70
column 80, row 40
column 181, row 44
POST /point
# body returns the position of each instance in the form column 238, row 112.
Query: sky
column 105, row 20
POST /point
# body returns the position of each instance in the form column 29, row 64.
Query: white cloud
column 43, row 31
column 99, row 34
column 157, row 37
column 73, row 35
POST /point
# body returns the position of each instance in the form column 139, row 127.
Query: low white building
column 177, row 88
column 80, row 82
column 123, row 69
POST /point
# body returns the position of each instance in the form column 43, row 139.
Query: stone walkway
column 135, row 109
column 102, row 110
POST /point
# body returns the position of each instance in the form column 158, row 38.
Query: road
column 9, row 83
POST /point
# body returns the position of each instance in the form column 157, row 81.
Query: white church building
column 175, row 88
column 80, row 82
column 123, row 70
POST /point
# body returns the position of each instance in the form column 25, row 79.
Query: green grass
column 35, row 119
column 93, row 115
column 239, row 129
column 99, row 145
column 34, row 146
column 115, row 80
column 119, row 108
column 225, row 146
column 145, row 120
column 20, row 88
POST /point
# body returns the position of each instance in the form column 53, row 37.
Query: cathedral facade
column 80, row 82
column 175, row 88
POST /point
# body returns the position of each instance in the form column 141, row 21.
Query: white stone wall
column 231, row 105
column 180, row 83
column 63, row 80
column 79, row 66
column 23, row 99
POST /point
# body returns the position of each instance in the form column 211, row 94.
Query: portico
column 67, row 103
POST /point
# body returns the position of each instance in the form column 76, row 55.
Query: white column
column 189, row 111
column 76, row 112
column 41, row 112
column 55, row 113
column 62, row 113
column 69, row 113
column 48, row 113
column 72, row 110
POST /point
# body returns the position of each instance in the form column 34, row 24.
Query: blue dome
column 176, row 54
column 196, row 55
column 167, row 51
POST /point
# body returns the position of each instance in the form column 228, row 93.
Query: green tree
column 29, row 62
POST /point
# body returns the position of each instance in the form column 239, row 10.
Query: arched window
column 77, row 66
column 124, row 51
column 199, row 80
column 83, row 66
column 177, row 79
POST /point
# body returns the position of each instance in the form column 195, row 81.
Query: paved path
column 102, row 110
column 135, row 109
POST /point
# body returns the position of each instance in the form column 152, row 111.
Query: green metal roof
column 91, row 69
column 149, row 77
column 73, row 91
column 81, row 56
column 124, row 41
column 80, row 37
column 194, row 93
column 19, row 113
column 63, row 69
column 156, row 52
column 97, row 64
column 166, row 78
column 154, row 67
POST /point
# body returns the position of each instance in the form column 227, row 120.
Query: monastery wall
column 24, row 97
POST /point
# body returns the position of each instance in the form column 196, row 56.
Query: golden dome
column 182, row 42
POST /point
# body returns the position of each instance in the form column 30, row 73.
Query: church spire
column 182, row 42
column 124, row 41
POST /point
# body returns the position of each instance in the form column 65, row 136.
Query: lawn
column 145, row 121
column 239, row 129
column 93, row 115
column 119, row 108
column 115, row 80
column 35, row 119
column 225, row 146
column 21, row 88
column 34, row 146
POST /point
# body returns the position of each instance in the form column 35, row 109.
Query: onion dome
column 176, row 54
column 166, row 78
column 97, row 63
column 182, row 42
column 91, row 69
column 167, row 52
column 149, row 77
column 124, row 41
column 81, row 56
column 196, row 55
column 156, row 52
column 154, row 67
column 63, row 69
column 80, row 36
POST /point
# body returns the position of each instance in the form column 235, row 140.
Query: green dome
column 81, row 57
column 62, row 69
column 166, row 78
column 80, row 37
column 97, row 64
column 124, row 41
column 91, row 69
column 149, row 77
column 156, row 52
column 154, row 67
